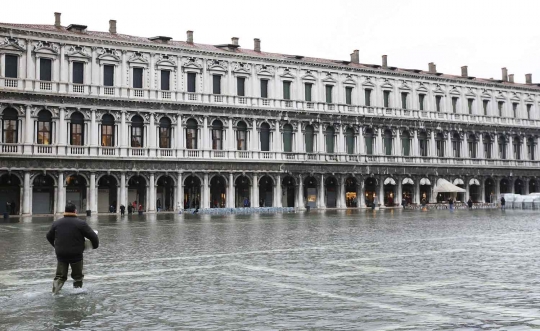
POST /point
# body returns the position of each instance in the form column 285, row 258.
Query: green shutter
column 329, row 93
column 330, row 140
column 287, row 90
column 308, row 87
column 406, row 144
column 287, row 138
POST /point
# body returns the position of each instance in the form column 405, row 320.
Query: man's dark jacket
column 67, row 237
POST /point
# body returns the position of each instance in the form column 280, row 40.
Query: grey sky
column 485, row 35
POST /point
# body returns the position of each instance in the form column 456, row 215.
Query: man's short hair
column 70, row 208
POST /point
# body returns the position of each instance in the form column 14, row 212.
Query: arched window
column 502, row 147
column 423, row 143
column 76, row 137
column 456, row 145
column 471, row 141
column 530, row 148
column 406, row 143
column 217, row 135
column 265, row 137
column 164, row 132
column 349, row 140
column 241, row 136
column 137, row 133
column 516, row 144
column 44, row 128
column 10, row 126
column 388, row 139
column 309, row 132
column 487, row 146
column 369, row 141
column 439, row 140
column 287, row 138
column 330, row 132
column 107, row 130
column 191, row 133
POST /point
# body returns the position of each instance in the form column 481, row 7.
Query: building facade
column 102, row 119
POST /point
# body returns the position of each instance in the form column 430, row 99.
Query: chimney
column 234, row 40
column 355, row 56
column 528, row 78
column 511, row 78
column 189, row 36
column 57, row 20
column 464, row 71
column 257, row 47
column 385, row 61
column 504, row 74
column 432, row 68
column 112, row 26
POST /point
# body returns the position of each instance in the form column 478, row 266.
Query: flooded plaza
column 328, row 270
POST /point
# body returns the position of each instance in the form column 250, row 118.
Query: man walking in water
column 67, row 237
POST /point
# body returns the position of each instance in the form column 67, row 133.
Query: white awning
column 474, row 181
column 425, row 181
column 458, row 181
column 390, row 181
column 445, row 186
column 407, row 181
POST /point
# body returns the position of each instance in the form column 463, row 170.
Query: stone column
column 279, row 192
column 399, row 195
column 341, row 140
column 230, row 139
column 27, row 191
column 300, row 194
column 179, row 136
column 510, row 155
column 415, row 148
column 482, row 181
column 300, row 140
column 230, row 193
column 93, row 136
column 277, row 140
column 62, row 137
column 123, row 190
column 380, row 197
column 123, row 135
column 495, row 148
column 254, row 137
column 467, row 189
column 526, row 186
column 321, row 200
column 179, row 194
column 361, row 144
column 321, row 148
column 29, row 130
column 432, row 145
column 152, row 137
column 379, row 143
column 93, row 196
column 360, row 194
column 432, row 196
column 449, row 151
column 480, row 147
column 206, row 192
column 416, row 192
column 255, row 191
column 60, row 203
column 205, row 136
column 342, row 203
column 463, row 147
column 152, row 193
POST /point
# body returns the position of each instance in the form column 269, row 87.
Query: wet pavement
column 335, row 270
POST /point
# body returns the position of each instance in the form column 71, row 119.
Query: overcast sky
column 485, row 35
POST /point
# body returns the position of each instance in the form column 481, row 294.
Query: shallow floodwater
column 334, row 270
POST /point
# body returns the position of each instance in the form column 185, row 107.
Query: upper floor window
column 404, row 100
column 264, row 88
column 217, row 135
column 44, row 128
column 330, row 133
column 191, row 133
column 367, row 94
column 440, row 142
column 514, row 109
column 265, row 137
column 454, row 104
column 307, row 91
column 500, row 106
column 529, row 107
column 369, row 138
column 348, row 95
column 216, row 84
column 77, row 129
column 45, row 69
column 406, row 143
column 308, row 136
column 12, row 66
column 470, row 103
column 349, row 140
column 108, row 75
column 438, row 99
column 329, row 89
column 165, row 80
column 137, row 77
column 191, row 82
column 287, row 138
column 487, row 146
column 240, row 86
column 107, row 130
column 471, row 140
column 164, row 132
column 78, row 72
column 241, row 136
column 421, row 98
column 386, row 98
column 456, row 145
column 137, row 127
column 388, row 142
column 287, row 90
column 423, row 143
column 10, row 126
column 485, row 105
column 502, row 147
column 516, row 141
column 530, row 148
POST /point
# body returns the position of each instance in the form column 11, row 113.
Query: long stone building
column 102, row 119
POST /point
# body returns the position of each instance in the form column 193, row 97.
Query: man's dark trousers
column 62, row 273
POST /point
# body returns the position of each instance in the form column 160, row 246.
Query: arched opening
column 241, row 136
column 407, row 190
column 217, row 135
column 533, row 186
column 76, row 191
column 43, row 195
column 137, row 192
column 309, row 134
column 388, row 142
column 474, row 190
column 425, row 190
column 242, row 192
column 192, row 192
column 518, row 186
column 461, row 184
column 107, row 131
column 504, row 186
column 218, row 192
column 331, row 192
column 10, row 126
column 76, row 128
column 288, row 193
column 406, row 143
column 165, row 193
column 265, row 137
column 164, row 132
column 329, row 136
column 310, row 191
column 287, row 138
column 44, row 128
column 489, row 190
column 369, row 138
column 389, row 192
column 351, row 189
column 107, row 194
column 349, row 140
column 370, row 191
column 10, row 194
column 191, row 134
column 266, row 190
column 137, row 131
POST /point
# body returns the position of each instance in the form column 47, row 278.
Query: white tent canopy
column 407, row 181
column 390, row 181
column 474, row 181
column 458, row 181
column 425, row 181
column 444, row 186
